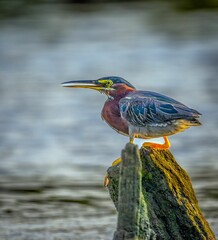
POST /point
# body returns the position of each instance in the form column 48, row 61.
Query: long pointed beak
column 91, row 84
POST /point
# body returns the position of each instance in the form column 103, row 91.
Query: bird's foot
column 117, row 161
column 106, row 180
column 164, row 146
column 114, row 163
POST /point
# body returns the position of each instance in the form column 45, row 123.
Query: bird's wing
column 144, row 107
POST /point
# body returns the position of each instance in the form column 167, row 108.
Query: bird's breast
column 111, row 114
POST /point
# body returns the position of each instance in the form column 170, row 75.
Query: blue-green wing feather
column 144, row 107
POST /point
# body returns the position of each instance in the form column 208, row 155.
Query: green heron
column 140, row 114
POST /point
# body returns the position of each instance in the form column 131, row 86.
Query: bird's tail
column 195, row 122
column 191, row 122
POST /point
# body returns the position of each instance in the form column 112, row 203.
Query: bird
column 140, row 114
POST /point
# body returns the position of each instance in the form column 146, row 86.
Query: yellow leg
column 163, row 146
column 131, row 138
column 114, row 163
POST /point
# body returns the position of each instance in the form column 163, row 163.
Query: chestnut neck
column 120, row 92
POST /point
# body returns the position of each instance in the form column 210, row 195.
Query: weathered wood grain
column 155, row 198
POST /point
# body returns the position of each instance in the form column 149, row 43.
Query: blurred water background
column 55, row 148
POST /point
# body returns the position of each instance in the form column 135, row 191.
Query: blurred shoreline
column 16, row 8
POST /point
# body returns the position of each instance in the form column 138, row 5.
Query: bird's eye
column 106, row 83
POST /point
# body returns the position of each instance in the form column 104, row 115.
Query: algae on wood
column 130, row 200
column 156, row 198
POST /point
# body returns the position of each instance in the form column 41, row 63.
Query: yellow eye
column 106, row 83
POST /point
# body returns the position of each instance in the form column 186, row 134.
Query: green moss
column 167, row 207
column 179, row 184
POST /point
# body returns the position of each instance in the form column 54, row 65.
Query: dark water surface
column 55, row 148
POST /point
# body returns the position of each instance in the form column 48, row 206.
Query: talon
column 164, row 146
column 106, row 180
column 117, row 161
column 114, row 163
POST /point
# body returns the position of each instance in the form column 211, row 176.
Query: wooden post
column 154, row 198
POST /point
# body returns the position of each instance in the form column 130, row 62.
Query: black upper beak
column 91, row 84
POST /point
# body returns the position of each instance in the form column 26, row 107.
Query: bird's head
column 111, row 86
